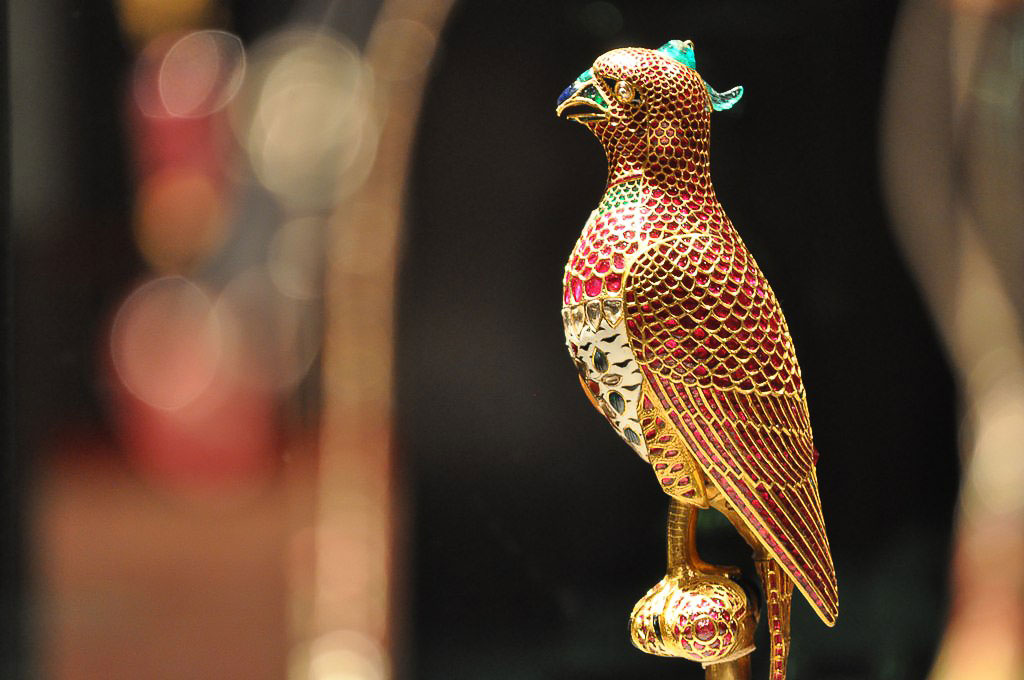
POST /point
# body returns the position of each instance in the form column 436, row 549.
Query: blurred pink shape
column 185, row 417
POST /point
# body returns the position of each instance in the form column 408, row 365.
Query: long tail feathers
column 778, row 593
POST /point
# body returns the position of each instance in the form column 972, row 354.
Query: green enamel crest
column 682, row 51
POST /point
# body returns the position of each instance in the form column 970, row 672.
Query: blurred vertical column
column 195, row 349
column 351, row 627
column 954, row 162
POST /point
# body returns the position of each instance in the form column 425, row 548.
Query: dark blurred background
column 518, row 561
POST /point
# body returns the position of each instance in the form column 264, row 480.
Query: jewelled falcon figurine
column 681, row 344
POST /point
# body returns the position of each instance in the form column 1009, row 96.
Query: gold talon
column 697, row 611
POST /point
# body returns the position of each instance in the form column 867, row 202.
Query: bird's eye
column 624, row 91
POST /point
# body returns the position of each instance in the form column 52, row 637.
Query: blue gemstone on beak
column 566, row 93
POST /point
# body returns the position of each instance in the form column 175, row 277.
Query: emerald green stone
column 624, row 194
column 590, row 92
column 680, row 51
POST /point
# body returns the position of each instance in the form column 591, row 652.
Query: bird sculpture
column 680, row 343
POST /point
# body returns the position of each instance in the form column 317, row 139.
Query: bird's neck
column 680, row 171
column 673, row 189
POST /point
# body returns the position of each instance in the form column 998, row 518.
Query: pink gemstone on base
column 704, row 629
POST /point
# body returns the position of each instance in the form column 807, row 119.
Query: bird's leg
column 697, row 611
column 683, row 557
column 778, row 595
column 778, row 591
column 682, row 541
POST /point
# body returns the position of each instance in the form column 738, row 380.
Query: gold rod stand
column 737, row 669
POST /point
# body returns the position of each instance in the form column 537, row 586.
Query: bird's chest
column 595, row 335
column 599, row 260
column 592, row 315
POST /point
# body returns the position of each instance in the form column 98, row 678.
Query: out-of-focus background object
column 235, row 519
column 355, row 597
column 202, row 238
column 954, row 151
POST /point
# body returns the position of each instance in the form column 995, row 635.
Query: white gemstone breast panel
column 596, row 337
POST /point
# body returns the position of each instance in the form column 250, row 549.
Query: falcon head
column 647, row 96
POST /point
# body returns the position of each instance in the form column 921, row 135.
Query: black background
column 536, row 529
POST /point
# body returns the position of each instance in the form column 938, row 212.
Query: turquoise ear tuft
column 721, row 101
column 682, row 51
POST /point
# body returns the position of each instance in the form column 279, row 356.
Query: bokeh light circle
column 166, row 343
column 201, row 73
column 179, row 219
column 276, row 338
column 295, row 258
column 304, row 117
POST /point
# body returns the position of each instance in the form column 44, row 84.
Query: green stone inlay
column 622, row 194
column 617, row 402
column 680, row 51
column 590, row 92
column 631, row 437
column 722, row 101
column 600, row 361
column 584, row 77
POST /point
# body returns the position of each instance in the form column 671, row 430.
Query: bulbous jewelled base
column 697, row 616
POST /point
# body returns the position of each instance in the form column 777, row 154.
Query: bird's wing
column 710, row 337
